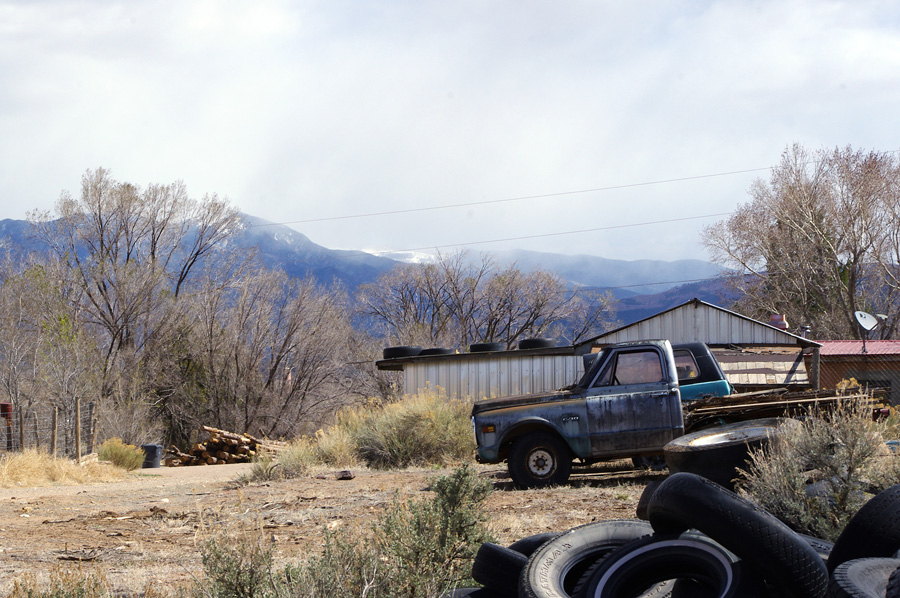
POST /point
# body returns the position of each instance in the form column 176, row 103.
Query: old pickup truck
column 628, row 404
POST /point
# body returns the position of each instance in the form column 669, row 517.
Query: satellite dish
column 867, row 321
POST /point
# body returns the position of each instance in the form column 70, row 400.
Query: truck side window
column 685, row 365
column 632, row 368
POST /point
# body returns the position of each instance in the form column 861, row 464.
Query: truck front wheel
column 539, row 460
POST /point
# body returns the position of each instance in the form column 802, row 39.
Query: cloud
column 309, row 110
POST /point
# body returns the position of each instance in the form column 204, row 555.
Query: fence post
column 92, row 428
column 21, row 429
column 55, row 432
column 78, row 430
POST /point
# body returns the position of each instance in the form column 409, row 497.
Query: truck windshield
column 591, row 362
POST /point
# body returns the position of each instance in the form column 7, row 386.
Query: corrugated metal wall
column 698, row 322
column 498, row 376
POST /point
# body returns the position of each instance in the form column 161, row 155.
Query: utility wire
column 570, row 232
column 511, row 199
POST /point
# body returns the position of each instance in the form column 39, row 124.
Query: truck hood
column 531, row 399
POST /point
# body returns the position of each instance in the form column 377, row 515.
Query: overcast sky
column 297, row 111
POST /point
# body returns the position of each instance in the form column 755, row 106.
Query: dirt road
column 146, row 529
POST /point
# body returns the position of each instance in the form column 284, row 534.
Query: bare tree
column 813, row 241
column 456, row 301
column 132, row 251
column 262, row 355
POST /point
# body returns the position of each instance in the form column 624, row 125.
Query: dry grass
column 36, row 468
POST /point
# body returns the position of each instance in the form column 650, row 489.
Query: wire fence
column 868, row 371
column 65, row 432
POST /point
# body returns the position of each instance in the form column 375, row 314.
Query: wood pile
column 221, row 447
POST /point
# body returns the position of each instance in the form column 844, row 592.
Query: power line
column 346, row 253
column 510, row 199
column 570, row 232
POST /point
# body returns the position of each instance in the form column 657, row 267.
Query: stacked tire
column 701, row 540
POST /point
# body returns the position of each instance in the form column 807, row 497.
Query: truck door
column 633, row 405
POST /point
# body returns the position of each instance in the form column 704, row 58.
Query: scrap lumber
column 221, row 447
column 767, row 403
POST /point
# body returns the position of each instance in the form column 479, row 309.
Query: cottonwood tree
column 815, row 241
column 132, row 251
column 456, row 301
column 261, row 354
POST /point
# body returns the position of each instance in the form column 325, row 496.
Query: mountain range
column 642, row 287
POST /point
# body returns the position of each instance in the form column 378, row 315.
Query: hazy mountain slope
column 624, row 278
column 283, row 247
column 643, row 287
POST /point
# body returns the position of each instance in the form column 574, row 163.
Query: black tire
column 554, row 568
column 862, row 578
column 874, row 531
column 486, row 347
column 437, row 351
column 893, row 586
column 474, row 593
column 529, row 544
column 644, row 500
column 822, row 547
column 651, row 462
column 648, row 566
column 539, row 460
column 537, row 343
column 401, row 351
column 717, row 453
column 684, row 501
column 498, row 568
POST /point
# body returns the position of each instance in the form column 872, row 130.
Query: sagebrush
column 418, row 431
column 121, row 454
column 821, row 469
column 415, row 549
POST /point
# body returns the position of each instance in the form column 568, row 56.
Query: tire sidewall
column 547, row 569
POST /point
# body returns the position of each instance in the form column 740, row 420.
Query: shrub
column 241, row 568
column 432, row 542
column 126, row 456
column 420, row 430
column 416, row 549
column 822, row 469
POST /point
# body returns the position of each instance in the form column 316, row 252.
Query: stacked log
column 219, row 448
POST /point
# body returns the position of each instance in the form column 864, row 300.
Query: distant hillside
column 285, row 248
column 622, row 277
column 638, row 307
column 643, row 287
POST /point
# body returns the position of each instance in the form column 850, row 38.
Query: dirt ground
column 146, row 529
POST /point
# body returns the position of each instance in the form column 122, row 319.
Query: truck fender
column 530, row 425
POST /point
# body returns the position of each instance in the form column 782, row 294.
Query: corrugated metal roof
column 697, row 320
column 835, row 348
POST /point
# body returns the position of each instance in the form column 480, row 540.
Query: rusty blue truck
column 628, row 404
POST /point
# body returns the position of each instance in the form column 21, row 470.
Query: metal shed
column 754, row 355
column 490, row 374
column 697, row 320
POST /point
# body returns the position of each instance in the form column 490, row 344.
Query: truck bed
column 767, row 403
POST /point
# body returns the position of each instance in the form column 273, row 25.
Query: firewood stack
column 220, row 448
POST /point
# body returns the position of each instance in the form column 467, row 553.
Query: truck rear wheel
column 539, row 460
